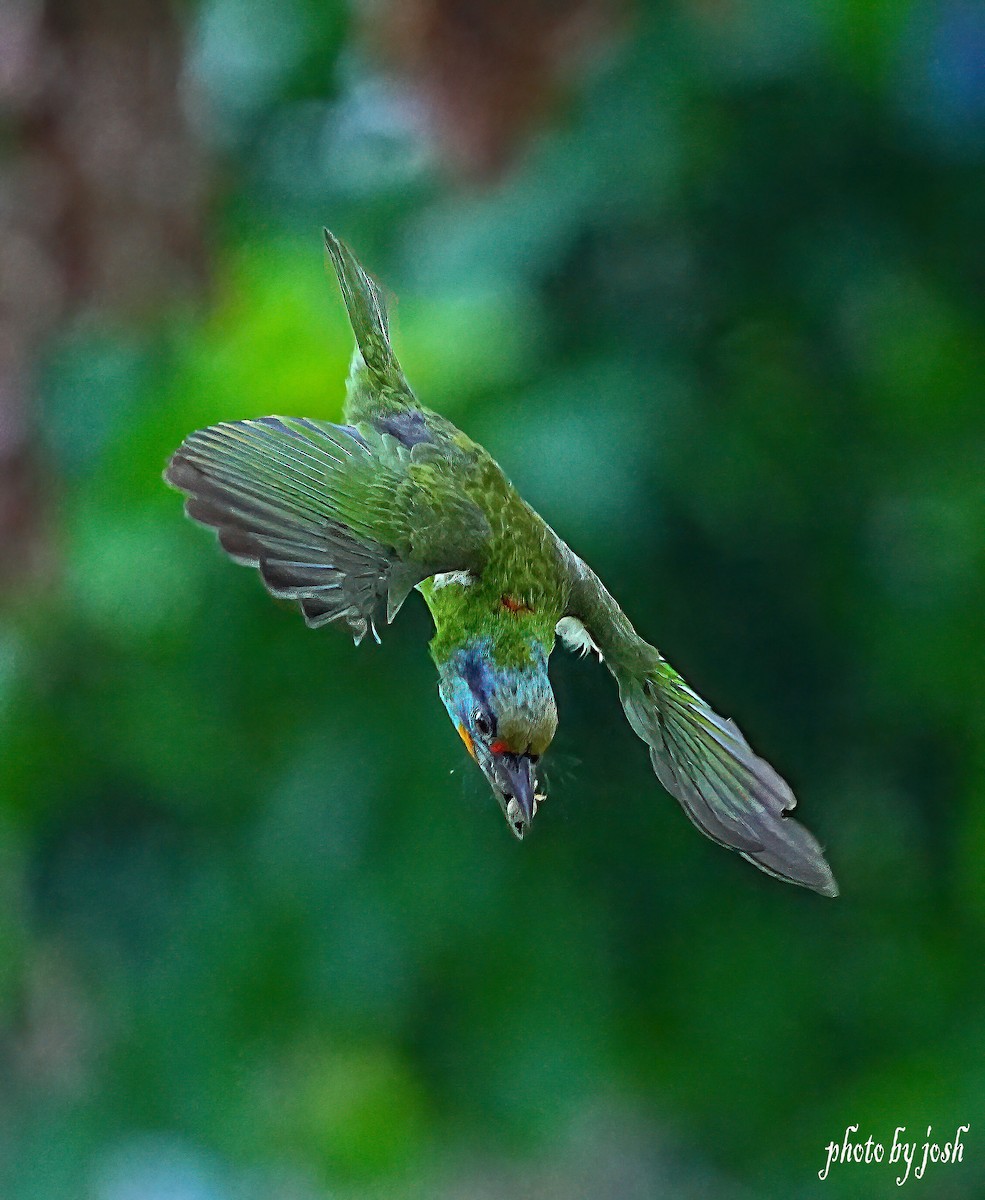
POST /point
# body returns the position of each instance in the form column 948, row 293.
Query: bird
column 348, row 519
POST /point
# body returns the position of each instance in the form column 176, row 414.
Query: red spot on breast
column 512, row 604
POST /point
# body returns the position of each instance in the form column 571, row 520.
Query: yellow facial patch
column 466, row 737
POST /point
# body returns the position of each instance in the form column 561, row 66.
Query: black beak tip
column 515, row 784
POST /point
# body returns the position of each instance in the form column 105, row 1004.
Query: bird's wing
column 342, row 519
column 728, row 791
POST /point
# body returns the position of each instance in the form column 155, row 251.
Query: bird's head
column 506, row 716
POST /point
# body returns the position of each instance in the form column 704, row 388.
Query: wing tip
column 827, row 885
column 731, row 794
column 795, row 856
column 172, row 469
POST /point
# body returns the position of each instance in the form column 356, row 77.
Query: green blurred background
column 706, row 276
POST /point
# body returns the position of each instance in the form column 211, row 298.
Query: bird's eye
column 482, row 723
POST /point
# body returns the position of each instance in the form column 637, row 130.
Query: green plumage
column 347, row 519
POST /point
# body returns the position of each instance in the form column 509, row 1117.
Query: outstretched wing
column 728, row 791
column 340, row 518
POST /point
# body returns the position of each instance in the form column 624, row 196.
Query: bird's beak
column 514, row 780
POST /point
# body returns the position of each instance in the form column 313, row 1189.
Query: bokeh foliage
column 263, row 931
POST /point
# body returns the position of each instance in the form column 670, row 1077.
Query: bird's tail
column 731, row 794
column 376, row 381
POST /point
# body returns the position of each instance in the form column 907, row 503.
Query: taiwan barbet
column 347, row 519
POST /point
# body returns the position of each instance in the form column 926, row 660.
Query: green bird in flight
column 348, row 519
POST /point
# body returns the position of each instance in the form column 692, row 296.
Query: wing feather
column 731, row 794
column 340, row 519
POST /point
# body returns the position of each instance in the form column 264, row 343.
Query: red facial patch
column 499, row 748
column 512, row 604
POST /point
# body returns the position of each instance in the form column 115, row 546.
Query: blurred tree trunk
column 102, row 202
column 489, row 71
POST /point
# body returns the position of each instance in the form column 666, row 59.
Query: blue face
column 506, row 717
